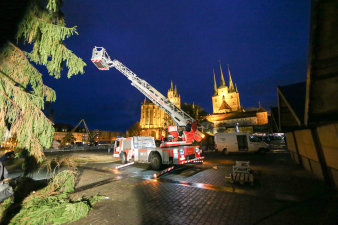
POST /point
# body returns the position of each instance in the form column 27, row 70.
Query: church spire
column 231, row 85
column 215, row 84
column 175, row 91
column 172, row 86
column 222, row 77
column 236, row 87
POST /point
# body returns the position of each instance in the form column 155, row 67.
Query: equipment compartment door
column 242, row 143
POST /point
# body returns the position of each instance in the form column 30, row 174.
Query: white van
column 239, row 142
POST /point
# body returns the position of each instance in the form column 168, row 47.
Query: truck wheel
column 123, row 158
column 224, row 151
column 155, row 161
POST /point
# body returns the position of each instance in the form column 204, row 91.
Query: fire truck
column 179, row 146
column 143, row 150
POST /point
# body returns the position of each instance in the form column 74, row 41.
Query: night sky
column 265, row 43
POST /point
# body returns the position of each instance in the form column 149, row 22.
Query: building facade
column 154, row 121
column 225, row 98
column 228, row 112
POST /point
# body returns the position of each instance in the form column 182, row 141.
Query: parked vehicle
column 143, row 149
column 104, row 143
column 80, row 144
column 239, row 142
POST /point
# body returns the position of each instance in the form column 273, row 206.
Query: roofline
column 289, row 106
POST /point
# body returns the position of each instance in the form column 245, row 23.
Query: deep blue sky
column 265, row 43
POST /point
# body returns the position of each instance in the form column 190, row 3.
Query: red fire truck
column 143, row 149
column 178, row 148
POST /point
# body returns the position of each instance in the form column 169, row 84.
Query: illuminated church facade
column 154, row 121
column 228, row 112
column 225, row 98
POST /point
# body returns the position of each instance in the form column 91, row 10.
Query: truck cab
column 239, row 142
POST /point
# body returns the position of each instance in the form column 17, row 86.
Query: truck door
column 116, row 148
column 127, row 148
column 242, row 143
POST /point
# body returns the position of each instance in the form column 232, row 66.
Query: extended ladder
column 102, row 61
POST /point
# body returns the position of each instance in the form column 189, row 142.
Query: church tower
column 154, row 120
column 173, row 96
column 225, row 99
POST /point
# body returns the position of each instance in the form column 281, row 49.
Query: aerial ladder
column 102, row 61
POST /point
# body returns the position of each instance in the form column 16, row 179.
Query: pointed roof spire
column 259, row 104
column 175, row 91
column 215, row 84
column 193, row 105
column 236, row 87
column 222, row 84
column 171, row 86
column 231, row 85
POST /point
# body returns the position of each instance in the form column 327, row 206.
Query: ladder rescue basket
column 100, row 58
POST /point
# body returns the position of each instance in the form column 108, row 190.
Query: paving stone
column 133, row 200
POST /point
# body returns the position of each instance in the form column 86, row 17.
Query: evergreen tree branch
column 18, row 89
column 22, row 91
column 68, row 31
column 9, row 99
column 34, row 74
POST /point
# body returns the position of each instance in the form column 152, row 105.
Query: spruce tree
column 22, row 91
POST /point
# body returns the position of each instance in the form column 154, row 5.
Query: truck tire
column 224, row 151
column 123, row 158
column 155, row 161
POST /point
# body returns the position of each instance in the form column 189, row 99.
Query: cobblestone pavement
column 283, row 194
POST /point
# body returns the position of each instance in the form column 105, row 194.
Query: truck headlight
column 182, row 151
column 197, row 149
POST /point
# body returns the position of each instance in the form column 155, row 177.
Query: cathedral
column 225, row 98
column 154, row 121
column 228, row 112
